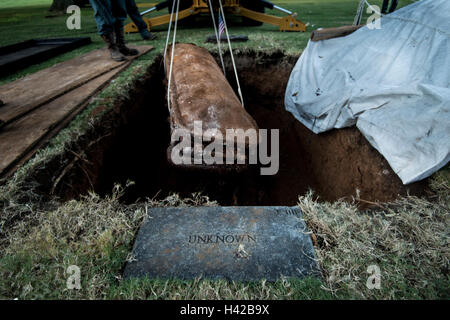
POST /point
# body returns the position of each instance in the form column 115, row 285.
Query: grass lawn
column 40, row 238
column 21, row 20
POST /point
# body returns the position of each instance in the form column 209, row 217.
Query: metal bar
column 148, row 11
column 158, row 7
column 282, row 9
column 270, row 5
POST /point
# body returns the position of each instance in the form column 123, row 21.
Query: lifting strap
column 173, row 47
column 217, row 35
column 231, row 53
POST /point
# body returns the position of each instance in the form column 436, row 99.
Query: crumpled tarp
column 393, row 83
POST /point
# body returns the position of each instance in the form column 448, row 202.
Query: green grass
column 408, row 240
column 21, row 20
column 40, row 239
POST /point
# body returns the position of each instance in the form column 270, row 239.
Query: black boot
column 116, row 55
column 120, row 40
column 146, row 35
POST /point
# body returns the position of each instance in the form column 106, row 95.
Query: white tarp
column 393, row 83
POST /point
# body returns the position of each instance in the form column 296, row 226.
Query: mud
column 132, row 140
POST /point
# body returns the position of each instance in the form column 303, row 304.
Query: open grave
column 130, row 143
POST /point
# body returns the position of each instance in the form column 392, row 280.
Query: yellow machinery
column 236, row 7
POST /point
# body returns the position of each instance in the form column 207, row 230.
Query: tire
column 254, row 6
column 184, row 4
column 81, row 3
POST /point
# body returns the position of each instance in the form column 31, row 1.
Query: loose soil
column 132, row 140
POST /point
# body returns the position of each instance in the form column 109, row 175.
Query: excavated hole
column 131, row 144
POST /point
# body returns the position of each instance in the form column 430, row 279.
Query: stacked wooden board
column 20, row 55
column 37, row 106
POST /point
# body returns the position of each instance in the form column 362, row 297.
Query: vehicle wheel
column 251, row 5
column 184, row 4
column 81, row 3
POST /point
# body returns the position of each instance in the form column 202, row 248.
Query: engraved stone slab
column 235, row 243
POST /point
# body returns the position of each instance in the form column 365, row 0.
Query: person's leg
column 120, row 14
column 385, row 6
column 105, row 26
column 393, row 6
column 136, row 17
column 103, row 16
column 119, row 11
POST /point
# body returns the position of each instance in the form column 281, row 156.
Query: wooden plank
column 20, row 55
column 20, row 139
column 330, row 33
column 28, row 93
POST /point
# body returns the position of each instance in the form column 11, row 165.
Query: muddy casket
column 204, row 105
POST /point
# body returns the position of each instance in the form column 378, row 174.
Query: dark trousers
column 135, row 15
column 384, row 8
column 110, row 15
